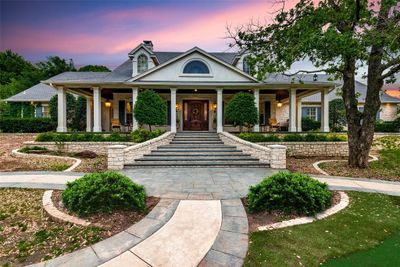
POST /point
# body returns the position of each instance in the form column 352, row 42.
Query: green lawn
column 369, row 219
column 386, row 254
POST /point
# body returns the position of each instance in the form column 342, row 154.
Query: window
column 142, row 64
column 196, row 67
column 246, row 67
column 313, row 113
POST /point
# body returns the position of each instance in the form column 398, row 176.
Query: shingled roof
column 37, row 93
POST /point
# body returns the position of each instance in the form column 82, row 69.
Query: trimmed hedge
column 388, row 126
column 103, row 192
column 137, row 136
column 26, row 125
column 311, row 137
column 308, row 124
column 289, row 193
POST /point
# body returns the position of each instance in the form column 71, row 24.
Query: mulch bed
column 305, row 164
column 112, row 223
column 264, row 217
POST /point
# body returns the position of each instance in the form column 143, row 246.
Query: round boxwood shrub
column 103, row 192
column 289, row 193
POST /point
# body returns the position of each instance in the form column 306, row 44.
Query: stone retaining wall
column 308, row 149
column 72, row 147
column 274, row 154
column 119, row 155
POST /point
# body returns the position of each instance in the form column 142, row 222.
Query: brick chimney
column 148, row 44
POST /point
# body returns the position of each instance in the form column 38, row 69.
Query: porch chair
column 274, row 124
column 115, row 125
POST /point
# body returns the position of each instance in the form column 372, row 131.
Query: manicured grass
column 364, row 224
column 387, row 167
column 386, row 254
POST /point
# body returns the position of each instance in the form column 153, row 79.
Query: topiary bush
column 289, row 193
column 103, row 192
column 241, row 111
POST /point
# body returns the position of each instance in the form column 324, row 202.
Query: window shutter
column 168, row 112
column 121, row 109
column 267, row 111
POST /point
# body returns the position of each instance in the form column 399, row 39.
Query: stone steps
column 196, row 149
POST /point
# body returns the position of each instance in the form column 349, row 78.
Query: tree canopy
column 150, row 109
column 241, row 110
column 95, row 68
column 338, row 37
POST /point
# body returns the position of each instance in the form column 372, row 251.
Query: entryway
column 195, row 115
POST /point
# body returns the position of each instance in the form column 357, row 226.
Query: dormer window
column 246, row 66
column 196, row 67
column 142, row 63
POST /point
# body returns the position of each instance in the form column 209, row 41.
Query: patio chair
column 274, row 124
column 115, row 125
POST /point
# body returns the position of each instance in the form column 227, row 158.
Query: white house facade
column 196, row 85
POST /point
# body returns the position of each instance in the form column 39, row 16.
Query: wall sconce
column 195, row 90
column 178, row 107
column 107, row 104
column 214, row 107
column 279, row 104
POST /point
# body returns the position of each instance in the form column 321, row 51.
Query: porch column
column 299, row 114
column 88, row 114
column 97, row 109
column 135, row 92
column 257, row 102
column 292, row 110
column 220, row 127
column 173, row 110
column 61, row 110
column 325, row 110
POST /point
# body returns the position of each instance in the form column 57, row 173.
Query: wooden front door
column 195, row 115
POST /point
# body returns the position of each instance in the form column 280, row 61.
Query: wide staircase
column 196, row 149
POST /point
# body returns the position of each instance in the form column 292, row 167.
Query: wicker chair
column 274, row 124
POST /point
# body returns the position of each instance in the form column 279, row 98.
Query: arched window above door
column 196, row 67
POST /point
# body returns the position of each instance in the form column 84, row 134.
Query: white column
column 88, row 114
column 257, row 103
column 173, row 110
column 324, row 110
column 135, row 92
column 61, row 110
column 220, row 127
column 292, row 110
column 299, row 113
column 97, row 109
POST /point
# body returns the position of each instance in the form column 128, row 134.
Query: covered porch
column 193, row 106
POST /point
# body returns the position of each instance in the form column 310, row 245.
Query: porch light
column 214, row 107
column 107, row 104
column 279, row 104
column 177, row 107
column 195, row 90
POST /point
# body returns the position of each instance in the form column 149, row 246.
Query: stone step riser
column 195, row 154
column 196, row 142
column 197, row 159
column 194, row 166
column 196, row 146
column 198, row 150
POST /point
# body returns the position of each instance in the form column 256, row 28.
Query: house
column 390, row 104
column 196, row 85
column 38, row 95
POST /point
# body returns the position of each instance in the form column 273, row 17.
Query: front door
column 195, row 115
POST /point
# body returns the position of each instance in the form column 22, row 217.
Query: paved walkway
column 195, row 183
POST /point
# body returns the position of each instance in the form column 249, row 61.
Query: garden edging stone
column 316, row 164
column 344, row 202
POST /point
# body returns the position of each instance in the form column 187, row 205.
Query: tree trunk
column 150, row 127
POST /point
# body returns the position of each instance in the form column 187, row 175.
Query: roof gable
column 172, row 70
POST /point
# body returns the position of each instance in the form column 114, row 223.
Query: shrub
column 308, row 124
column 141, row 135
column 26, row 125
column 293, row 138
column 387, row 126
column 289, row 193
column 256, row 137
column 83, row 137
column 86, row 154
column 103, row 192
column 150, row 109
column 28, row 149
column 241, row 110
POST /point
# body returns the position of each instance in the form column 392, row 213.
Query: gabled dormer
column 143, row 58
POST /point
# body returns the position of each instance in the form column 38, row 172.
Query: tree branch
column 391, row 72
column 311, row 71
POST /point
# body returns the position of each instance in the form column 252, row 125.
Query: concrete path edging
column 58, row 215
column 18, row 154
column 344, row 202
column 321, row 171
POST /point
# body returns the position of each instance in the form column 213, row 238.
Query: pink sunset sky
column 103, row 32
